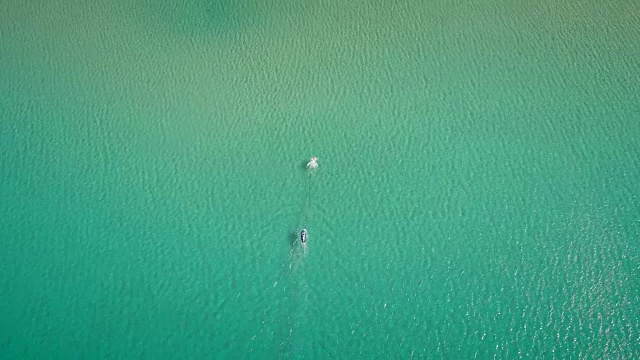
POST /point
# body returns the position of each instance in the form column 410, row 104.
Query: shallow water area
column 476, row 194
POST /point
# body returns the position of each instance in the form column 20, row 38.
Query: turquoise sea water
column 477, row 195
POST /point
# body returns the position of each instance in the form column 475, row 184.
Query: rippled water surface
column 477, row 195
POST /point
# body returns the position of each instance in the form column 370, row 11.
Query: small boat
column 313, row 163
column 303, row 235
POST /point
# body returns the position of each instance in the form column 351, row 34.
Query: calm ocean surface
column 477, row 196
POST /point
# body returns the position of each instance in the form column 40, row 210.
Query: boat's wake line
column 294, row 342
column 303, row 224
column 299, row 290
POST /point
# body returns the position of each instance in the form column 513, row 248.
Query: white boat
column 313, row 163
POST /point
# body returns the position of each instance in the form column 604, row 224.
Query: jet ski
column 303, row 235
